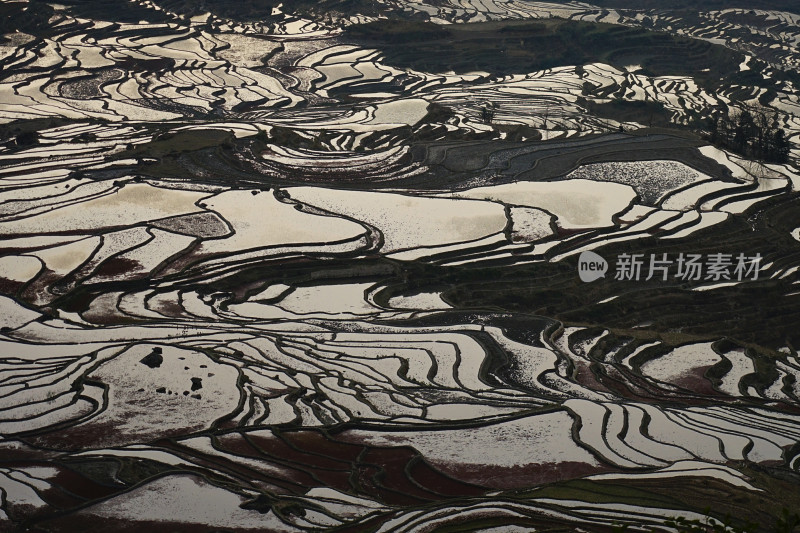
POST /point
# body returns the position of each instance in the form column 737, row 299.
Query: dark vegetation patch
column 25, row 133
column 111, row 10
column 28, row 18
column 649, row 113
column 694, row 6
column 171, row 144
column 403, row 32
column 513, row 47
column 261, row 10
column 753, row 132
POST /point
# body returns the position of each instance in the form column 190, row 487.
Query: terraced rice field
column 317, row 267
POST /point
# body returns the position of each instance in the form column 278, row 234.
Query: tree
column 780, row 147
column 487, row 113
column 751, row 132
column 743, row 130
